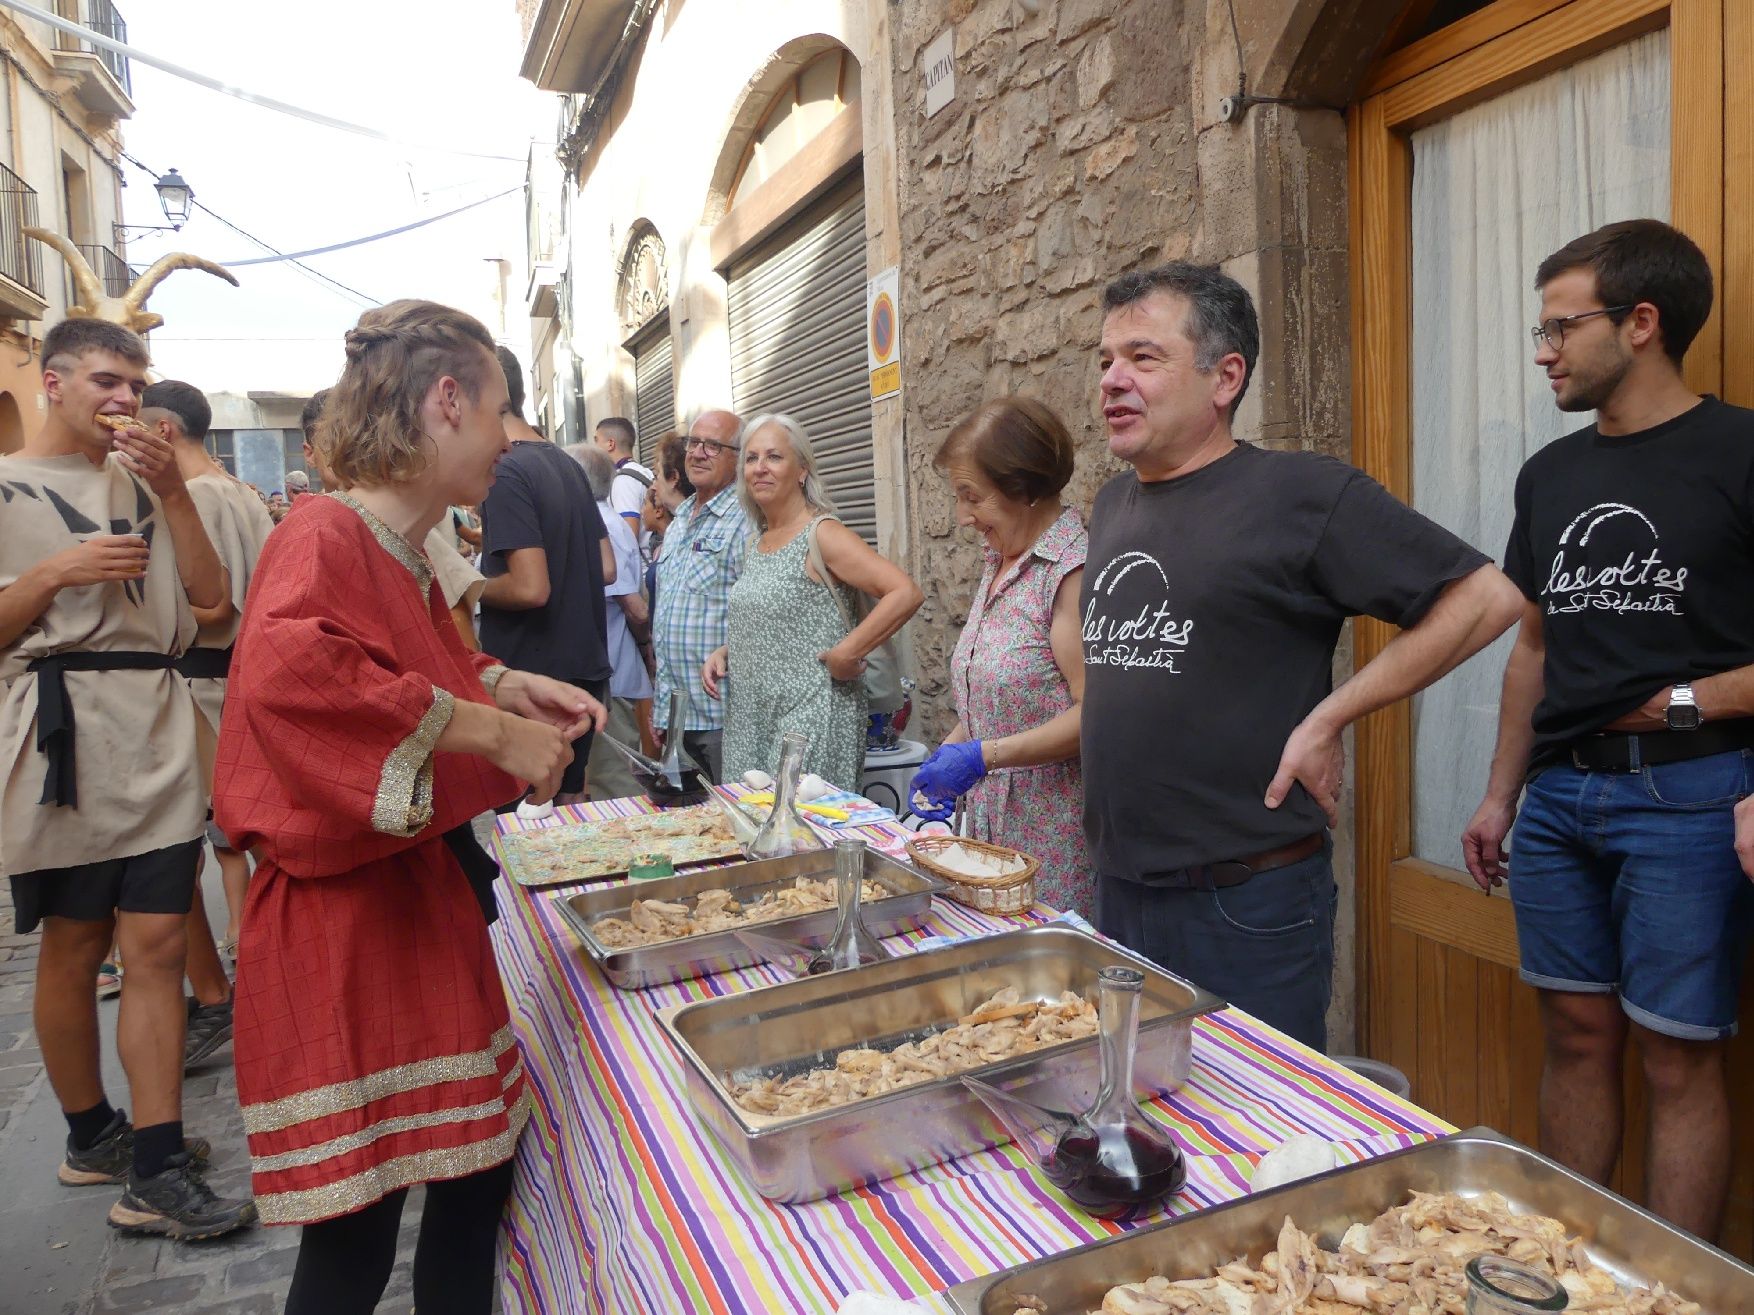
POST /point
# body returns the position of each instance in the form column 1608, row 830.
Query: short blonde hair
column 370, row 431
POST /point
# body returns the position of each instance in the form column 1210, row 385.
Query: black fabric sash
column 55, row 711
column 205, row 663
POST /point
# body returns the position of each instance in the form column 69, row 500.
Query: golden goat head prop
column 129, row 309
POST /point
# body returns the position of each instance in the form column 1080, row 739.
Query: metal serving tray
column 1632, row 1244
column 720, row 951
column 803, row 1024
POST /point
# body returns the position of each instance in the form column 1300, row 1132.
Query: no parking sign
column 883, row 332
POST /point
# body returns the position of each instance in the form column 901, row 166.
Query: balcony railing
column 109, row 267
column 101, row 17
column 21, row 259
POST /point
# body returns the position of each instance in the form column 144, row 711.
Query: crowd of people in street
column 1143, row 700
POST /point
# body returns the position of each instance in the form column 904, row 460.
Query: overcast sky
column 436, row 71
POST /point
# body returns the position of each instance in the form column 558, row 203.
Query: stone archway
column 642, row 284
column 751, row 105
column 11, row 424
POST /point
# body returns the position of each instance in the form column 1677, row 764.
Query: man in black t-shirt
column 1218, row 577
column 547, row 556
column 1627, row 719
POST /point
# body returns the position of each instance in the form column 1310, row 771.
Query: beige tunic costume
column 458, row 581
column 238, row 524
column 139, row 741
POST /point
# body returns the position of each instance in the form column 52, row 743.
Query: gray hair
column 1221, row 314
column 599, row 467
column 814, row 492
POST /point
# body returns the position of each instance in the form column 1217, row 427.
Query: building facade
column 61, row 106
column 1384, row 175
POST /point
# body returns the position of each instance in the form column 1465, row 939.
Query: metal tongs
column 676, row 758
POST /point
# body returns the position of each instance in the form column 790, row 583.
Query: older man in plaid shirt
column 701, row 559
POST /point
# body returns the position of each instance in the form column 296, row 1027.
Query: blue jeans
column 1627, row 883
column 1266, row 946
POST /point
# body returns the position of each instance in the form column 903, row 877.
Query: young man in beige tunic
column 237, row 524
column 102, row 555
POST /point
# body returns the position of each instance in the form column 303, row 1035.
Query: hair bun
column 361, row 340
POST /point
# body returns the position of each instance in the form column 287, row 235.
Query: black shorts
column 158, row 881
column 572, row 781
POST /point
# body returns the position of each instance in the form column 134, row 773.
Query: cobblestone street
column 57, row 1252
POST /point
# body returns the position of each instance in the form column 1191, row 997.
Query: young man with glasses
column 1627, row 717
column 700, row 561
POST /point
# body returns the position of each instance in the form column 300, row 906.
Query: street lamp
column 175, row 197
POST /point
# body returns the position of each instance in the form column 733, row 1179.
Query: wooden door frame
column 1490, row 52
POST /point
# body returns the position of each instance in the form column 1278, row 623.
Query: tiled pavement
column 57, row 1254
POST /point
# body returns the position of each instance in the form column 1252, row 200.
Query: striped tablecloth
column 624, row 1205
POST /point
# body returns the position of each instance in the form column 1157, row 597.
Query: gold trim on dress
column 354, row 1141
column 338, row 1097
column 403, row 806
column 391, row 542
column 349, row 1194
column 491, row 677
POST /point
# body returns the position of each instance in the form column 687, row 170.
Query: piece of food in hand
column 529, row 811
column 117, row 423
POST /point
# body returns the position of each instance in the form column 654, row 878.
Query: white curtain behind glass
column 1496, row 189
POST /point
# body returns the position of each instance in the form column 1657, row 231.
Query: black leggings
column 344, row 1263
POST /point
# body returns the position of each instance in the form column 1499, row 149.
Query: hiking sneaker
column 209, row 1028
column 178, row 1204
column 110, row 1158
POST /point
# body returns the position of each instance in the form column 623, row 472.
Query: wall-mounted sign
column 883, row 332
column 939, row 62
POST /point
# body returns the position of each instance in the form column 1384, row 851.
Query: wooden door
column 1439, row 992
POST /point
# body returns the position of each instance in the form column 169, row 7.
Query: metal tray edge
column 669, row 1020
column 966, row 1298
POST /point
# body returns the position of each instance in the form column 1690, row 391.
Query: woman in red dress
column 374, row 1049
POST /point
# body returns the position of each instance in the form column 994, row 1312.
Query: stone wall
column 1083, row 141
column 1047, row 174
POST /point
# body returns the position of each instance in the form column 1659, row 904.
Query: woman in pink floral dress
column 1018, row 670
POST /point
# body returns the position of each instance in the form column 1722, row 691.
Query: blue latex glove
column 949, row 773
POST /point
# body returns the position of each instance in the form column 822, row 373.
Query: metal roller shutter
column 654, row 388
column 797, row 314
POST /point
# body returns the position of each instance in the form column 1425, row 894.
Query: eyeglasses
column 708, row 446
column 1552, row 331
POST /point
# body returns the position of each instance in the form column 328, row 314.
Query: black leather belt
column 1235, row 871
column 1627, row 753
column 55, row 711
column 205, row 663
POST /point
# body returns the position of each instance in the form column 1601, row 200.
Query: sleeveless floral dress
column 779, row 620
column 1005, row 681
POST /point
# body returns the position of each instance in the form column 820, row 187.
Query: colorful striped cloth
column 624, row 1205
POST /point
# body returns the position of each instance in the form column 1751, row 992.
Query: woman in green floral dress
column 790, row 662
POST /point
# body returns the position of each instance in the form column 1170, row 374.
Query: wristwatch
column 1682, row 713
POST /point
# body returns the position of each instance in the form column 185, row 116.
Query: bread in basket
column 1009, row 892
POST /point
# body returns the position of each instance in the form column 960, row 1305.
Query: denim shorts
column 1628, row 883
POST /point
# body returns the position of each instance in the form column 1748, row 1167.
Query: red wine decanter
column 1111, row 1158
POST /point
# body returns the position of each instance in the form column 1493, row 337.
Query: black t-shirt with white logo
column 1211, row 606
column 1639, row 549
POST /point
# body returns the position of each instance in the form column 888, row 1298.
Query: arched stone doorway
column 11, row 423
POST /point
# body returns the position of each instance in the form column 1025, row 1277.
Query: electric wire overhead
column 365, row 299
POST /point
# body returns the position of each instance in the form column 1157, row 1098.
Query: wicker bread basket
column 1011, row 893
